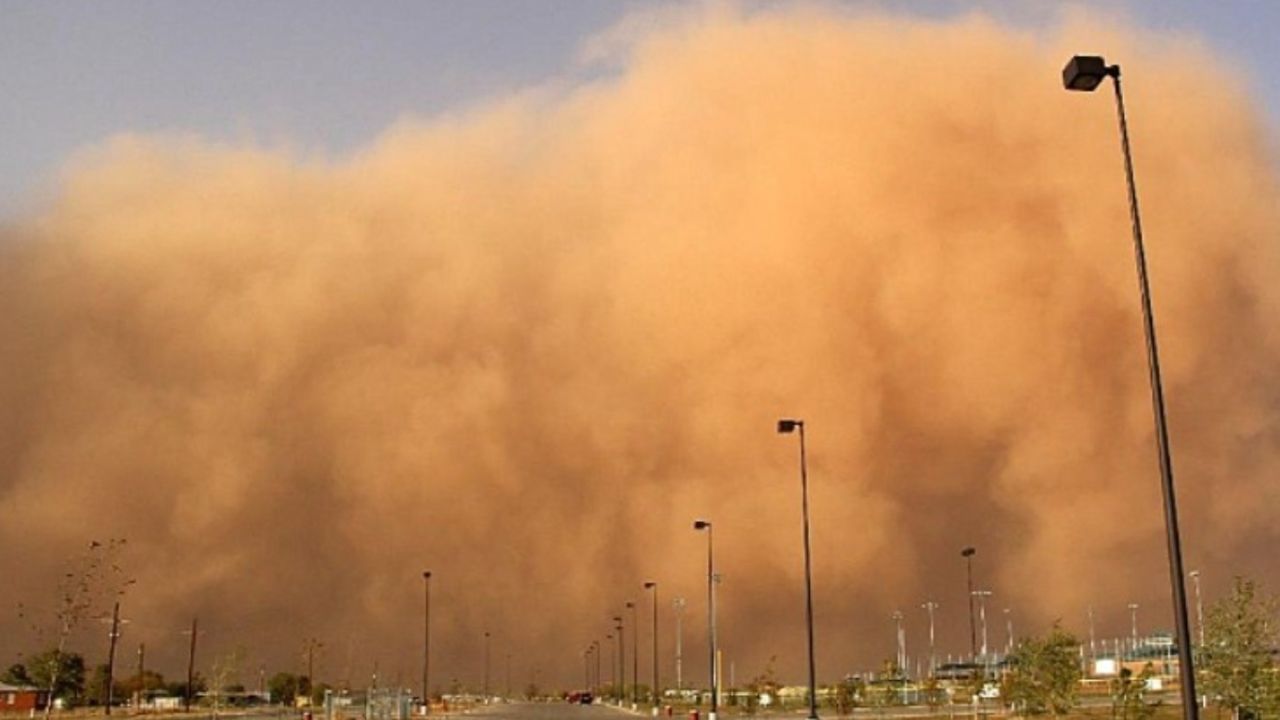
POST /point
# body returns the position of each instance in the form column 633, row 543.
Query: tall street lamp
column 929, row 606
column 595, row 678
column 1084, row 72
column 426, row 639
column 655, row 690
column 678, row 604
column 711, row 614
column 613, row 664
column 788, row 426
column 1133, row 627
column 1008, row 626
column 486, row 667
column 982, row 596
column 622, row 658
column 968, row 554
column 901, row 641
column 1195, row 580
column 635, row 655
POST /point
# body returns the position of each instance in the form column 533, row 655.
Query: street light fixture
column 1009, row 628
column 613, row 664
column 1085, row 72
column 655, row 690
column 678, row 605
column 929, row 606
column 901, row 641
column 711, row 614
column 982, row 596
column 1195, row 580
column 1133, row 627
column 635, row 655
column 486, row 667
column 426, row 639
column 786, row 426
column 622, row 659
column 968, row 554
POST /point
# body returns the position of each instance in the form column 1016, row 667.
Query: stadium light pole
column 711, row 614
column 786, row 426
column 1086, row 73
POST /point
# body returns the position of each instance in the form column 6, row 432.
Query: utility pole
column 142, row 677
column 312, row 645
column 968, row 554
column 111, row 657
column 191, row 663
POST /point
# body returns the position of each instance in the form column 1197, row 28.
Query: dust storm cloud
column 526, row 343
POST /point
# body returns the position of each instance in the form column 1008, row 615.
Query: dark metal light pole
column 635, row 655
column 426, row 639
column 711, row 614
column 613, row 664
column 655, row 691
column 622, row 658
column 595, row 683
column 968, row 554
column 1086, row 73
column 788, row 426
column 486, row 667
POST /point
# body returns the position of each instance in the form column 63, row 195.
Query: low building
column 22, row 698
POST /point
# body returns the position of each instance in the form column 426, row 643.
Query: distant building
column 22, row 698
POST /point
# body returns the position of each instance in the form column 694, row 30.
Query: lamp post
column 968, row 554
column 1133, row 628
column 1008, row 626
column 655, row 691
column 982, row 596
column 929, row 606
column 678, row 604
column 635, row 655
column 1086, row 73
column 1093, row 654
column 486, row 667
column 426, row 639
column 711, row 614
column 901, row 642
column 613, row 664
column 789, row 426
column 622, row 658
column 1195, row 580
column 595, row 678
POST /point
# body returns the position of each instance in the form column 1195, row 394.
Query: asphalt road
column 549, row 711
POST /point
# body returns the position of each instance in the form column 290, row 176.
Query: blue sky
column 326, row 77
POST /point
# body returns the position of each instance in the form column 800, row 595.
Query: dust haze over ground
column 524, row 345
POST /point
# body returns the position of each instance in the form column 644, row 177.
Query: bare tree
column 94, row 579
